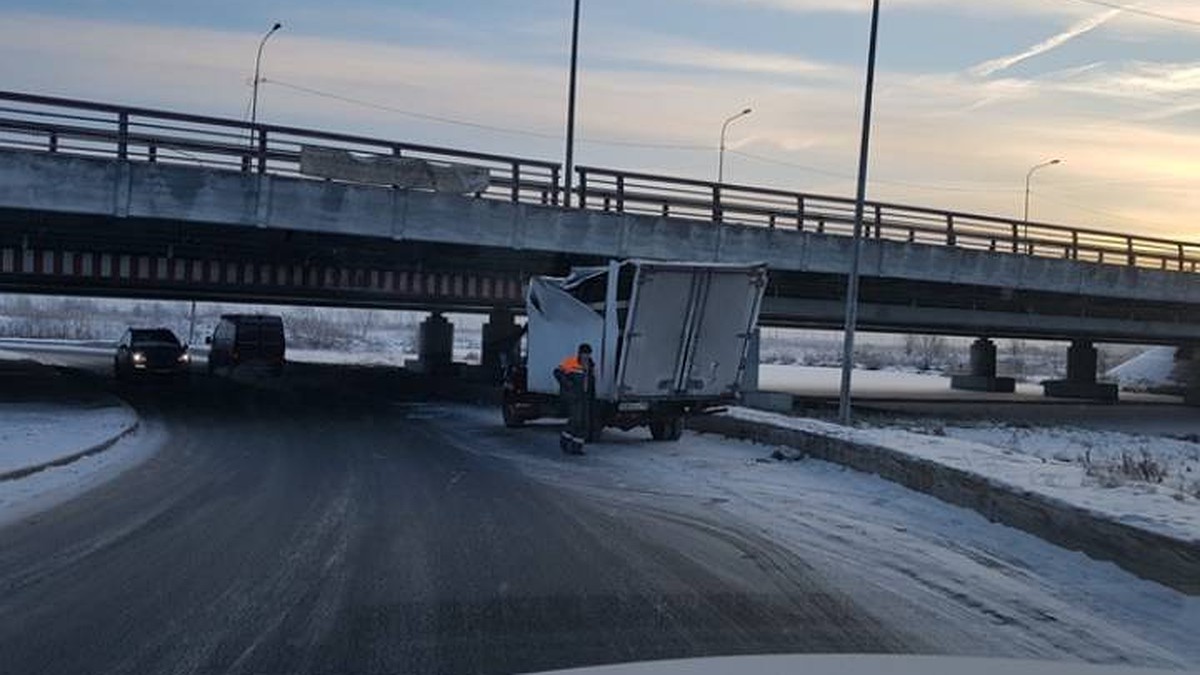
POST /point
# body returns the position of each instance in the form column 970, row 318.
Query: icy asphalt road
column 336, row 525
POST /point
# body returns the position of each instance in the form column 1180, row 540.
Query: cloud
column 1010, row 7
column 704, row 57
column 993, row 66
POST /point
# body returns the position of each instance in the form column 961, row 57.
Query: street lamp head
column 747, row 111
column 276, row 27
column 1056, row 161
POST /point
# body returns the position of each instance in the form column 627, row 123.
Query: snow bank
column 33, row 434
column 20, row 499
column 1110, row 459
column 1153, row 507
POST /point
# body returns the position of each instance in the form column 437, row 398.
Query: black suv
column 150, row 351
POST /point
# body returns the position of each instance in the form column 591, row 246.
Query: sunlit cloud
column 944, row 137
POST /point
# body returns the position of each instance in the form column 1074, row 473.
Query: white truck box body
column 658, row 330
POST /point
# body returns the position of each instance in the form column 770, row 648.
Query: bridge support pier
column 1081, row 376
column 501, row 336
column 982, row 373
column 1187, row 372
column 435, row 344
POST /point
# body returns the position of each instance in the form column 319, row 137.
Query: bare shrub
column 1141, row 467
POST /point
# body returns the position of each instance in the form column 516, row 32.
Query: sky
column 969, row 93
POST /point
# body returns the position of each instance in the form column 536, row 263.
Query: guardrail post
column 1180, row 257
column 554, row 177
column 951, row 239
column 515, row 193
column 262, row 150
column 800, row 213
column 582, row 200
column 716, row 204
column 878, row 221
column 1129, row 255
column 152, row 153
column 53, row 142
column 1016, row 234
column 123, row 135
column 1074, row 245
column 621, row 194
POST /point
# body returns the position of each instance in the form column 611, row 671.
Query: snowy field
column 1152, row 369
column 825, row 381
column 368, row 356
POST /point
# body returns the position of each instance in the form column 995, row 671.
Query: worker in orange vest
column 576, row 382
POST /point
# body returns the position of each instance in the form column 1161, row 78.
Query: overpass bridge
column 104, row 199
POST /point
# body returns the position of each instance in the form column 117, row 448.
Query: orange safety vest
column 571, row 364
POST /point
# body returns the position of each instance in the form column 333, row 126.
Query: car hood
column 855, row 664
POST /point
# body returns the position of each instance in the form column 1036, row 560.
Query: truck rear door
column 686, row 331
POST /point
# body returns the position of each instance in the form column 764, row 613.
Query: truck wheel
column 512, row 419
column 666, row 428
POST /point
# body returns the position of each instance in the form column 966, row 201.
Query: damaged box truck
column 669, row 340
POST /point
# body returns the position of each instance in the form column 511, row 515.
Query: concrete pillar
column 982, row 373
column 1081, row 361
column 1187, row 372
column 753, row 397
column 501, row 335
column 1081, row 376
column 435, row 344
column 750, row 372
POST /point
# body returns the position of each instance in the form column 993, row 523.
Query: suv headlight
column 185, row 358
column 139, row 357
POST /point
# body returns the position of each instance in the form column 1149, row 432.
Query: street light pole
column 257, row 65
column 721, row 151
column 1028, row 178
column 569, row 166
column 859, row 206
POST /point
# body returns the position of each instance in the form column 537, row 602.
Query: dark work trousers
column 576, row 395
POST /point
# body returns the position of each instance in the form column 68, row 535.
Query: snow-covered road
column 941, row 567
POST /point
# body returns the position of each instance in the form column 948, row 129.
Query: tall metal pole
column 192, row 324
column 721, row 151
column 859, row 206
column 1028, row 178
column 569, row 167
column 257, row 65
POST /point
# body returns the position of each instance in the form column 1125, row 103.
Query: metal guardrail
column 87, row 128
column 629, row 192
column 97, row 129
